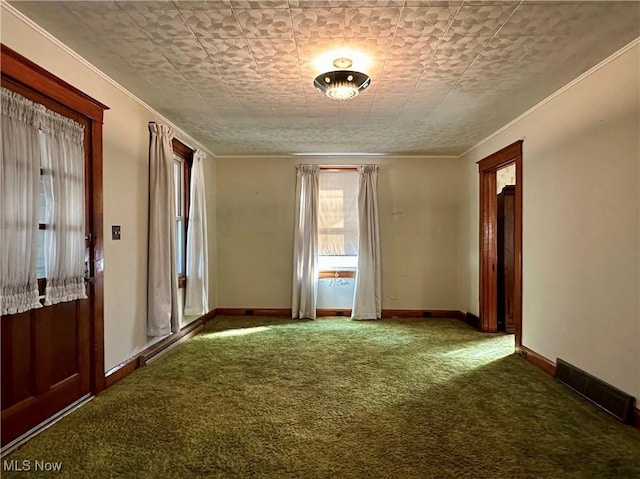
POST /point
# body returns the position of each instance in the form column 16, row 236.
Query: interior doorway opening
column 500, row 250
column 506, row 187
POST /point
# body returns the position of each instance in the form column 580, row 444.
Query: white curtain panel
column 305, row 244
column 367, row 300
column 197, row 293
column 19, row 185
column 62, row 159
column 162, row 283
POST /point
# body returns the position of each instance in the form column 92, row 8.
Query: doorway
column 489, row 238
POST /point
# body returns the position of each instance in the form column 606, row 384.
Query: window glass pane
column 338, row 214
column 40, row 269
column 176, row 187
column 331, row 208
column 180, row 253
column 331, row 244
column 44, row 193
column 42, row 204
column 337, row 262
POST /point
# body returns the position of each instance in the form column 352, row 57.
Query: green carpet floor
column 333, row 398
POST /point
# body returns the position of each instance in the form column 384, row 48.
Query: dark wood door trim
column 97, row 262
column 488, row 167
column 40, row 80
column 36, row 83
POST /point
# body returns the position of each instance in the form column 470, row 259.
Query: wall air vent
column 617, row 403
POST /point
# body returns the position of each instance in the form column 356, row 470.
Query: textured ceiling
column 237, row 75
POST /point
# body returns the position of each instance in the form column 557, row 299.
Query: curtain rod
column 192, row 148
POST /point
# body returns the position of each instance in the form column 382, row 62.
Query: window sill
column 330, row 274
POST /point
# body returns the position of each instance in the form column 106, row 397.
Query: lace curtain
column 62, row 160
column 35, row 138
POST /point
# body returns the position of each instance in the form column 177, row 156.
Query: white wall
column 505, row 176
column 212, row 229
column 419, row 206
column 125, row 182
column 581, row 223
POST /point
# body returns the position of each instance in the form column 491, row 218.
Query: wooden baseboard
column 538, row 360
column 125, row 368
column 460, row 316
column 324, row 312
column 152, row 352
column 422, row 313
column 209, row 316
column 472, row 320
column 271, row 312
column 278, row 312
column 549, row 367
column 118, row 372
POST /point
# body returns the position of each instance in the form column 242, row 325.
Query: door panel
column 16, row 351
column 45, row 364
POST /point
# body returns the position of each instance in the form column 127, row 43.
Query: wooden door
column 45, row 364
column 46, row 351
column 506, row 259
column 53, row 356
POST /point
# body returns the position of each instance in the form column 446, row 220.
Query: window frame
column 185, row 153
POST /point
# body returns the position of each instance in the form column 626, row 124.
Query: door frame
column 487, row 169
column 20, row 73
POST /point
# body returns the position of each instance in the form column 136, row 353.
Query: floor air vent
column 617, row 403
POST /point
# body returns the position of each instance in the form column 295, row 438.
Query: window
column 182, row 160
column 178, row 194
column 44, row 216
column 338, row 221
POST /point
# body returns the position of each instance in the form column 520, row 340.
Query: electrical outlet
column 115, row 232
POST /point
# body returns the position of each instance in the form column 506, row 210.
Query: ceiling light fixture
column 342, row 84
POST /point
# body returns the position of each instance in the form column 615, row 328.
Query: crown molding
column 559, row 92
column 184, row 136
column 330, row 159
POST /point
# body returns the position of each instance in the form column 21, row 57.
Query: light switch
column 115, row 232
